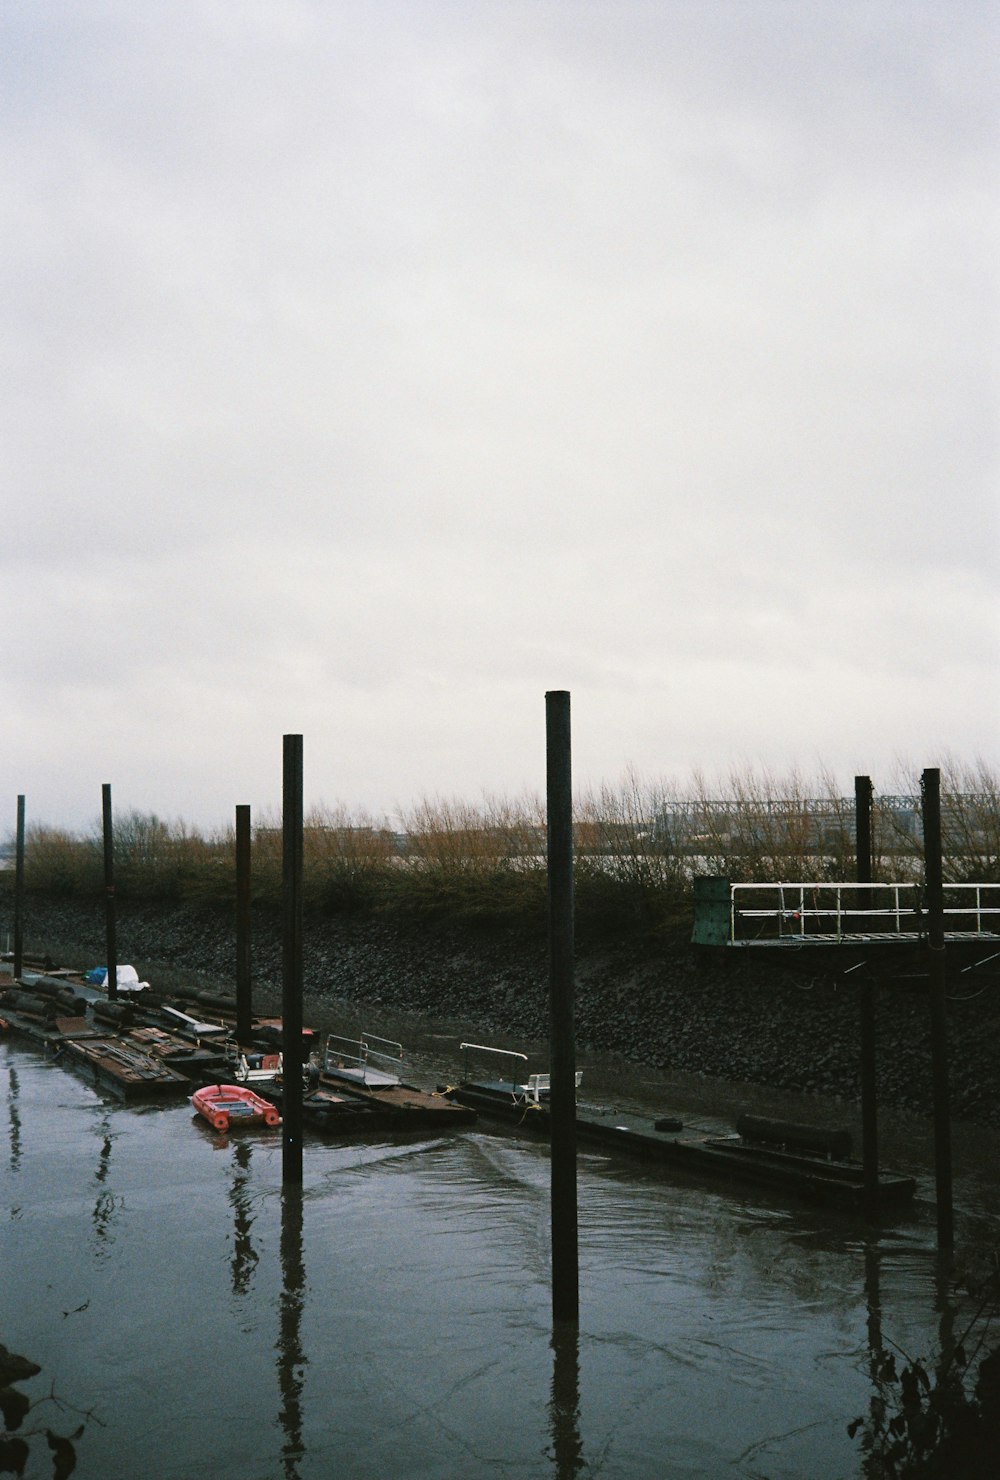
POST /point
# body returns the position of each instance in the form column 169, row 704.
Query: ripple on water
column 396, row 1317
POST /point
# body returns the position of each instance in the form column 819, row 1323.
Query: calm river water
column 392, row 1321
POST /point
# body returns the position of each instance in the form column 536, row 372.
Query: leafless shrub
column 756, row 827
column 616, row 835
column 970, row 822
column 637, row 845
column 59, row 862
column 158, row 859
column 451, row 837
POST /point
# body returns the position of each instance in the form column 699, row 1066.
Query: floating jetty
column 150, row 1050
column 810, row 1163
column 144, row 1048
column 126, row 1047
column 124, row 1067
column 368, row 1071
column 135, row 1060
column 338, row 1114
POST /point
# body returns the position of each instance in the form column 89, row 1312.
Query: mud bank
column 786, row 1026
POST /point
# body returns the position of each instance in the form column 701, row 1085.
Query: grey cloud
column 379, row 355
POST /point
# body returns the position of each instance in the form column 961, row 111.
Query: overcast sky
column 371, row 367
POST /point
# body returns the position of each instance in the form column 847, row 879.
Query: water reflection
column 908, row 1380
column 106, row 1203
column 245, row 1256
column 945, row 1305
column 775, row 1323
column 564, row 1404
column 14, row 1115
column 104, row 1160
column 873, row 1306
column 291, row 1357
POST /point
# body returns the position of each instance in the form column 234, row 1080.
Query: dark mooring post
column 19, row 891
column 562, row 1046
column 869, row 1098
column 110, row 923
column 243, row 989
column 291, row 1010
column 930, row 786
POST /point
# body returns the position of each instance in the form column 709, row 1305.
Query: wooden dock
column 144, row 1051
column 395, row 1100
column 124, row 1067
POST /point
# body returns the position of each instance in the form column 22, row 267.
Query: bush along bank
column 790, row 1026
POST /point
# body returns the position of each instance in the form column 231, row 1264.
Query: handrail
column 369, row 1038
column 365, row 1055
column 899, row 906
column 507, row 1053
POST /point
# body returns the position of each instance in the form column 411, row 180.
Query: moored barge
column 809, row 1163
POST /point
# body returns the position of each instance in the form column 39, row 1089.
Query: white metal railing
column 539, row 1086
column 833, row 911
column 535, row 1088
column 985, row 910
column 505, row 1053
column 358, row 1059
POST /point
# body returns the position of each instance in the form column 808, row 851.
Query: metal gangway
column 821, row 913
column 359, row 1059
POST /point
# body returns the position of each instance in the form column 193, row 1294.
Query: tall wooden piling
column 291, row 1011
column 19, row 892
column 244, row 1011
column 110, row 920
column 930, row 787
column 562, row 1046
column 869, row 1097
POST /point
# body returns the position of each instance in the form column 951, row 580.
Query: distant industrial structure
column 820, row 824
column 693, row 828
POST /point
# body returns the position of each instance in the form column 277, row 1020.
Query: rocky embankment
column 787, row 1025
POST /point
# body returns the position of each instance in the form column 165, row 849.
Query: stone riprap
column 788, row 1025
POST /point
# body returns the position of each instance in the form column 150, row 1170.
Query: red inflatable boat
column 222, row 1104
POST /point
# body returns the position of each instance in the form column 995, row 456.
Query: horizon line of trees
column 638, row 847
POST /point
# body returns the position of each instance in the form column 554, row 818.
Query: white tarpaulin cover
column 127, row 978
